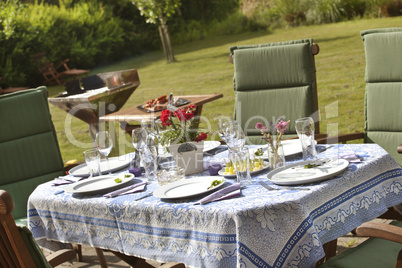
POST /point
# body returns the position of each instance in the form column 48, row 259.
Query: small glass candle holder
column 214, row 169
column 166, row 176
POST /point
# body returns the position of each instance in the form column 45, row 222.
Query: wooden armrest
column 400, row 148
column 231, row 58
column 63, row 64
column 341, row 138
column 60, row 256
column 380, row 230
column 315, row 49
column 172, row 265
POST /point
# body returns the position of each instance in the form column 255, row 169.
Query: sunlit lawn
column 202, row 67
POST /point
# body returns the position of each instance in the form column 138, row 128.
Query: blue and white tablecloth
column 260, row 228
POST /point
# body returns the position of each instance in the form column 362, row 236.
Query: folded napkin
column 62, row 180
column 225, row 193
column 352, row 158
column 127, row 190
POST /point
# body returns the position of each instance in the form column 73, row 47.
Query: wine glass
column 104, row 143
column 223, row 125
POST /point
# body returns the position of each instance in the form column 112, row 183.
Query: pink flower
column 282, row 126
column 259, row 125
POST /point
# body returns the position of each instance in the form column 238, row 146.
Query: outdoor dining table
column 259, row 228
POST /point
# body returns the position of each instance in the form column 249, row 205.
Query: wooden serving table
column 114, row 90
column 136, row 114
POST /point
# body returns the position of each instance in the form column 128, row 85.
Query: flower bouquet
column 276, row 156
column 182, row 138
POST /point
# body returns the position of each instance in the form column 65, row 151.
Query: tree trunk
column 167, row 47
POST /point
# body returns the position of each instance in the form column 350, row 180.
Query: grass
column 202, row 67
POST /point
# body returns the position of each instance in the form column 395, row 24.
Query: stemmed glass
column 104, row 143
column 231, row 133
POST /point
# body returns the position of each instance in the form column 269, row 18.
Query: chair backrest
column 18, row 248
column 383, row 99
column 30, row 153
column 273, row 80
column 43, row 64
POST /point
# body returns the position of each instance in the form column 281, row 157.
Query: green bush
column 87, row 33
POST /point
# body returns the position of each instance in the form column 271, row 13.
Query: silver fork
column 266, row 186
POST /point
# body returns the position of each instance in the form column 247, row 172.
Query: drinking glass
column 104, row 143
column 305, row 131
column 138, row 136
column 92, row 159
column 146, row 150
column 241, row 163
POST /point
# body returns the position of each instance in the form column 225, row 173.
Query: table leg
column 132, row 260
column 101, row 257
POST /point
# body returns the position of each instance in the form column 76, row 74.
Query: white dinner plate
column 98, row 184
column 116, row 163
column 290, row 147
column 296, row 173
column 222, row 171
column 188, row 187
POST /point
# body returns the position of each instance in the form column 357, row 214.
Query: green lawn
column 202, row 67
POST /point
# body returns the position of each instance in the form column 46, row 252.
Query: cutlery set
column 269, row 188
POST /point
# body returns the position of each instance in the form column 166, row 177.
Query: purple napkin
column 352, row 158
column 225, row 193
column 62, row 180
column 127, row 190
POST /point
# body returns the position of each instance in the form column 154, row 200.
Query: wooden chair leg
column 399, row 260
column 78, row 251
column 101, row 257
column 330, row 248
column 330, row 251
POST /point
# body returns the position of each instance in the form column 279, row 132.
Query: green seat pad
column 33, row 248
column 30, row 153
column 374, row 252
column 296, row 103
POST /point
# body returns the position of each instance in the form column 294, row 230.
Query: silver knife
column 145, row 196
column 266, row 186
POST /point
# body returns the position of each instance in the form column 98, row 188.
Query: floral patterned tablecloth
column 260, row 228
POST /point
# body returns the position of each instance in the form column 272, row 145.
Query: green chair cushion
column 273, row 80
column 374, row 252
column 30, row 153
column 296, row 102
column 383, row 54
column 389, row 141
column 383, row 107
column 33, row 248
column 276, row 65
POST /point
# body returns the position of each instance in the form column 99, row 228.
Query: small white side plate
column 295, row 173
column 98, row 184
column 290, row 147
column 188, row 187
column 222, row 171
column 210, row 145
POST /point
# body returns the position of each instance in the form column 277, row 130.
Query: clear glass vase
column 276, row 155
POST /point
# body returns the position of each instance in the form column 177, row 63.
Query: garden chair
column 273, row 80
column 383, row 110
column 383, row 249
column 53, row 74
column 30, row 153
column 18, row 248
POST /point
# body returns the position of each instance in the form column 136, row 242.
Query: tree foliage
column 157, row 10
